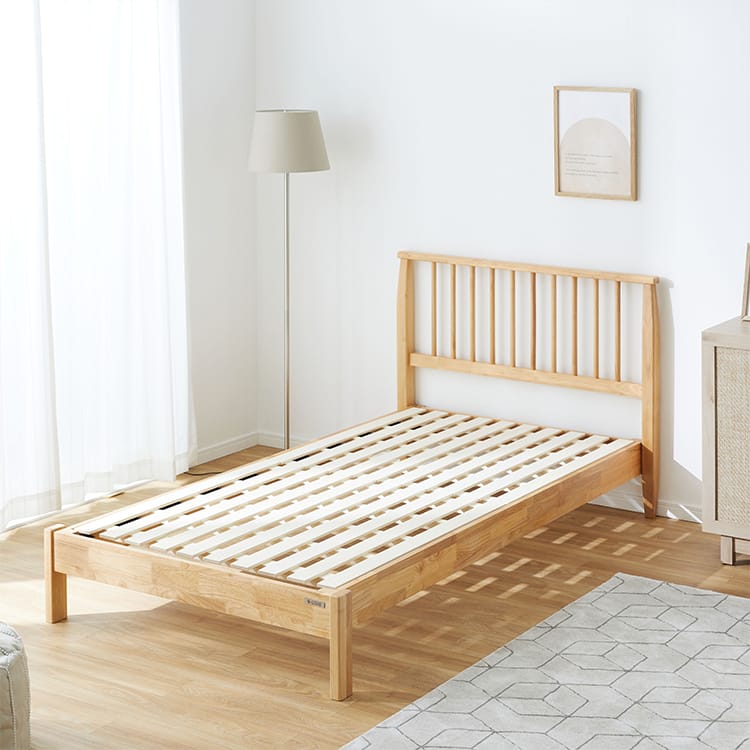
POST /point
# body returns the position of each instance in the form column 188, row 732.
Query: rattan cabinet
column 726, row 435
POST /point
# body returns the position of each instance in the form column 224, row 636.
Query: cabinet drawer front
column 733, row 436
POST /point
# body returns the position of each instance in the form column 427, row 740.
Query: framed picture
column 595, row 142
column 746, row 288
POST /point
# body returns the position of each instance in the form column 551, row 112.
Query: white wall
column 218, row 82
column 438, row 120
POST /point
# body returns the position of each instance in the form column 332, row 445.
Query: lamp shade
column 287, row 140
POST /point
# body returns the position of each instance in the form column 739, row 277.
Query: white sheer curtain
column 94, row 384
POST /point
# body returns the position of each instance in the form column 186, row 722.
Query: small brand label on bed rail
column 315, row 602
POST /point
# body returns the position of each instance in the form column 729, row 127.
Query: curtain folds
column 94, row 383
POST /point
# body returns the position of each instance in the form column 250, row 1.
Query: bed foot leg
column 650, row 481
column 340, row 649
column 55, row 584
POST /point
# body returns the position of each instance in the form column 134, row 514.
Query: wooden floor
column 127, row 670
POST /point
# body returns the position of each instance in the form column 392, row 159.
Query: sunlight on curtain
column 115, row 352
column 29, row 478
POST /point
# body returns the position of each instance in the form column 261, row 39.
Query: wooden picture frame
column 746, row 288
column 595, row 142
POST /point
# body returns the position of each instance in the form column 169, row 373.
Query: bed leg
column 55, row 584
column 340, row 649
column 650, row 409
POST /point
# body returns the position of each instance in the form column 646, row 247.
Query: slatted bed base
column 328, row 535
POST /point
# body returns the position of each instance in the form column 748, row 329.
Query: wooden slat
column 472, row 315
column 493, row 358
column 582, row 273
column 349, row 497
column 448, row 501
column 405, row 335
column 596, row 328
column 202, row 486
column 434, row 307
column 574, row 324
column 416, row 489
column 512, row 319
column 195, row 521
column 553, row 322
column 329, row 497
column 472, row 514
column 532, row 319
column 423, row 566
column 395, row 504
column 453, row 310
column 623, row 388
column 618, row 328
column 272, row 478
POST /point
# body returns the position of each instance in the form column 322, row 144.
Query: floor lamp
column 286, row 141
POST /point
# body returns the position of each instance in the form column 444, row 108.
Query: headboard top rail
column 581, row 273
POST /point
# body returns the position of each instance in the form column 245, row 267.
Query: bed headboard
column 507, row 320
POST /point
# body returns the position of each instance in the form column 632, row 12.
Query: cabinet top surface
column 733, row 332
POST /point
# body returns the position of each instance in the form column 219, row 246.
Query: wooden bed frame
column 474, row 309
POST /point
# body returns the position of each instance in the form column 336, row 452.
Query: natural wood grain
column 574, row 325
column 633, row 141
column 192, row 678
column 582, row 273
column 453, row 309
column 512, row 319
column 340, row 648
column 596, row 328
column 405, row 334
column 433, row 289
column 647, row 390
column 651, row 402
column 423, row 478
column 493, row 357
column 623, row 388
column 553, row 322
column 618, row 331
column 55, row 582
column 472, row 314
column 532, row 320
column 376, row 591
column 194, row 582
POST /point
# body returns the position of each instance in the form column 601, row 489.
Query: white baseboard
column 219, row 450
column 276, row 440
column 270, row 439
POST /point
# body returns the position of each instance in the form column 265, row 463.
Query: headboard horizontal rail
column 621, row 388
column 581, row 273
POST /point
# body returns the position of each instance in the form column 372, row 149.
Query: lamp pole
column 286, row 310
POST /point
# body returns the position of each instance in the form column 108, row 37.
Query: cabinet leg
column 727, row 551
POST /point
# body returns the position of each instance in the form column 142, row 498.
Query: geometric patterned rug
column 635, row 664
